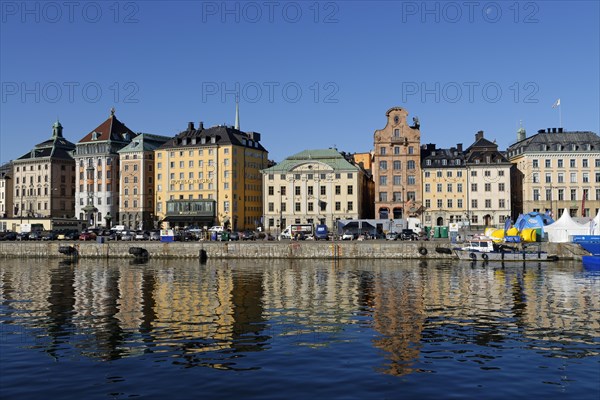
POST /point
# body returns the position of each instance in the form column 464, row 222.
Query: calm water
column 296, row 329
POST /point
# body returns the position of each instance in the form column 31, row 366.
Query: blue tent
column 533, row 220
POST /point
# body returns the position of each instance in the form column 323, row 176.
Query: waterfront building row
column 222, row 176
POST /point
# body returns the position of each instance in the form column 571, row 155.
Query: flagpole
column 559, row 116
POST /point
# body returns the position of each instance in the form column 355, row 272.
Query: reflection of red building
column 399, row 316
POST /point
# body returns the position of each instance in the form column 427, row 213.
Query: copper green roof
column 145, row 142
column 330, row 157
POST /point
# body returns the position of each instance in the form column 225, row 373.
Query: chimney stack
column 190, row 126
column 459, row 147
column 200, row 126
column 479, row 135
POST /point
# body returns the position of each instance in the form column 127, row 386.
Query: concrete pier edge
column 259, row 250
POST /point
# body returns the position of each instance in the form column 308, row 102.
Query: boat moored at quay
column 488, row 250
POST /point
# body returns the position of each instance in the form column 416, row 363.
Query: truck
column 414, row 224
column 291, row 230
column 321, row 232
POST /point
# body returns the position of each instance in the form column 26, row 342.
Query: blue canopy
column 533, row 220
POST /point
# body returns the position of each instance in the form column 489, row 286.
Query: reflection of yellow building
column 219, row 169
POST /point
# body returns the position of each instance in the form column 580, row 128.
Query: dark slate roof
column 453, row 157
column 57, row 148
column 479, row 151
column 559, row 141
column 6, row 170
column 224, row 135
column 112, row 129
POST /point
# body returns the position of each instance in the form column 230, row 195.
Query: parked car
column 71, row 235
column 23, row 236
column 391, row 236
column 126, row 235
column 248, row 235
column 49, row 235
column 85, row 236
column 408, row 234
column 348, row 235
column 8, row 236
column 154, row 235
column 233, row 236
column 141, row 235
column 35, row 235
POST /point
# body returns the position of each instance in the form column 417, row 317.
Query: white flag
column 556, row 103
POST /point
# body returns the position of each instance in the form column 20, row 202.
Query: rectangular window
column 449, row 188
column 459, row 203
column 350, row 206
column 323, row 190
column 560, row 163
column 501, row 203
column 338, row 206
column 572, row 163
column 473, row 187
column 411, row 180
column 573, row 194
column 310, row 206
column 561, row 177
column 383, row 196
column 488, row 187
column 397, row 165
column 536, row 194
column 536, row 164
column 548, row 163
column 573, row 177
column 488, row 203
column 297, row 190
column 397, row 180
column 350, row 189
column 338, row 189
column 439, row 187
column 440, row 203
column 297, row 207
column 427, row 188
column 449, row 203
column 501, row 187
column 459, row 187
column 383, row 180
column 474, row 203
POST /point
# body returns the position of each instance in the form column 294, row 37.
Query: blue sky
column 309, row 74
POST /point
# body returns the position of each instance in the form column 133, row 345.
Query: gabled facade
column 210, row 177
column 554, row 170
column 315, row 187
column 136, row 189
column 444, row 185
column 397, row 167
column 97, row 168
column 488, row 183
column 44, row 178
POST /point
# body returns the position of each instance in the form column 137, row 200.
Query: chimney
column 479, row 135
column 549, row 130
column 200, row 126
column 190, row 126
column 459, row 147
column 541, row 131
column 553, row 130
column 560, row 130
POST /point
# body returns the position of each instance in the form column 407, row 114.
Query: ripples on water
column 292, row 329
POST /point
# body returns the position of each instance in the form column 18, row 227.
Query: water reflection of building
column 190, row 313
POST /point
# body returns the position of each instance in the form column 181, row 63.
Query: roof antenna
column 237, row 112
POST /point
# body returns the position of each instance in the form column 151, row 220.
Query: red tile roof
column 111, row 129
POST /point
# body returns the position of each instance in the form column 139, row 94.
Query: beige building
column 44, row 179
column 136, row 189
column 210, row 176
column 444, row 185
column 556, row 170
column 314, row 187
column 397, row 167
column 488, row 183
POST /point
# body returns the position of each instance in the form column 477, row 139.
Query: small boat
column 487, row 250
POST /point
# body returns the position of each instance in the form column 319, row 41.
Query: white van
column 216, row 228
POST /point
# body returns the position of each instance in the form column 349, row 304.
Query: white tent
column 559, row 231
column 594, row 225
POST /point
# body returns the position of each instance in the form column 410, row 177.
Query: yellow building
column 210, row 176
column 444, row 185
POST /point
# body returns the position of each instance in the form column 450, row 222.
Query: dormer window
column 427, row 162
column 203, row 140
column 213, row 139
column 444, row 161
column 95, row 135
column 126, row 136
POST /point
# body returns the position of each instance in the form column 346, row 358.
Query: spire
column 237, row 113
column 112, row 111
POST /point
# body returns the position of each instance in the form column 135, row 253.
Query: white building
column 488, row 183
column 97, row 172
column 315, row 187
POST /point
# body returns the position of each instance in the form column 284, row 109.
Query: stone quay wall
column 258, row 249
